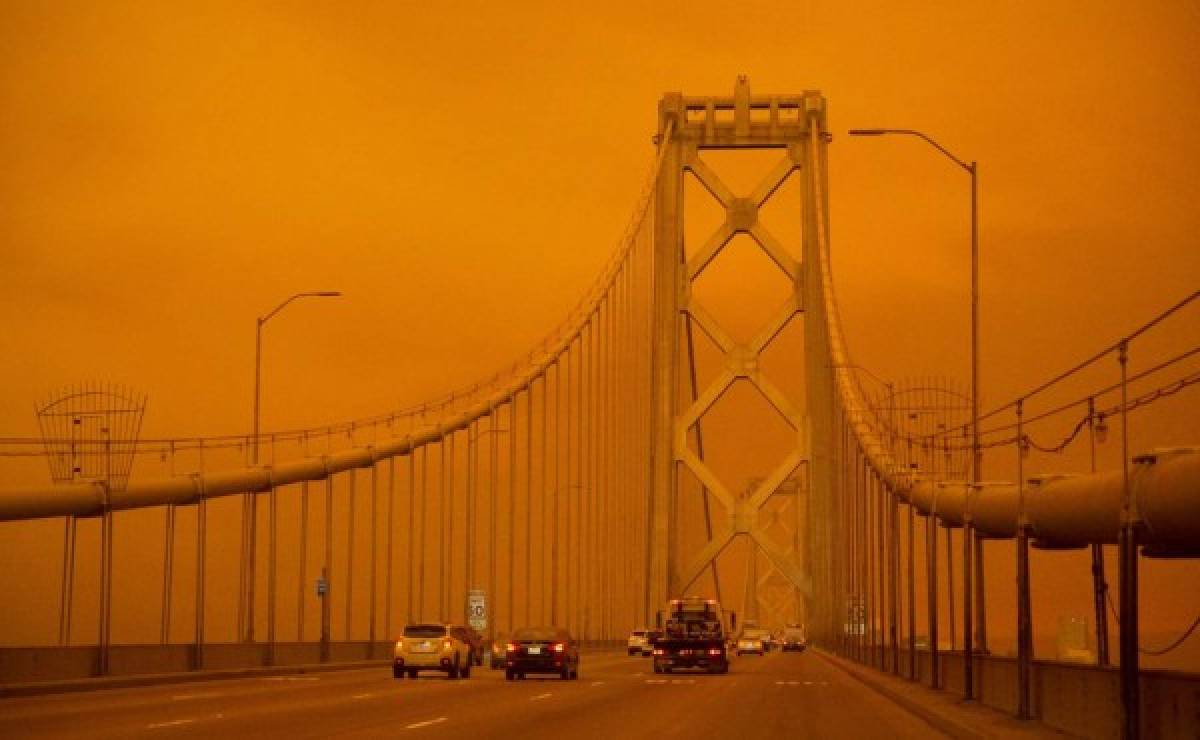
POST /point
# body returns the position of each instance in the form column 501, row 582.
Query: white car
column 753, row 641
column 637, row 643
column 436, row 647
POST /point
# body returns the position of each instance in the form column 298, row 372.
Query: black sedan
column 541, row 650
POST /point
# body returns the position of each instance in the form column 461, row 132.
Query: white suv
column 437, row 647
column 637, row 643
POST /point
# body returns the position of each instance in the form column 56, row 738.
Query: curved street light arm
column 312, row 294
column 969, row 167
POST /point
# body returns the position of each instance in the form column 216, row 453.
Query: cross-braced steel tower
column 795, row 126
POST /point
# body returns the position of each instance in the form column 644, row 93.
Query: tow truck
column 693, row 636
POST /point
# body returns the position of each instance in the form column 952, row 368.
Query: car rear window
column 639, row 633
column 425, row 630
column 536, row 634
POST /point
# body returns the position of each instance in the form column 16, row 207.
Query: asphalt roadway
column 780, row 695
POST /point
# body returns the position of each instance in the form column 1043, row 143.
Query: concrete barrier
column 25, row 664
column 1075, row 698
column 19, row 665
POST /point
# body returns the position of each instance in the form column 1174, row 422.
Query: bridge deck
column 780, row 695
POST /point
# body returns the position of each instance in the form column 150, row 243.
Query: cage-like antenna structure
column 926, row 423
column 90, row 433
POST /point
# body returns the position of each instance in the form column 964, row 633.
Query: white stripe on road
column 426, row 723
column 597, row 683
column 209, row 695
column 172, row 723
column 656, row 680
column 541, row 696
column 291, row 678
column 362, row 696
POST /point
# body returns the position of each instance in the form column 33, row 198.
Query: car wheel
column 397, row 672
column 466, row 670
column 520, row 676
column 412, row 672
column 657, row 668
column 452, row 672
column 508, row 675
column 565, row 674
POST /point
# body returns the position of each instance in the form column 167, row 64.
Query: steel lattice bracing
column 793, row 125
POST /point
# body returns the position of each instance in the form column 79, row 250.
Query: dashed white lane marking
column 597, row 683
column 172, row 723
column 683, row 680
column 362, row 696
column 291, row 678
column 426, row 723
column 540, row 696
column 208, row 695
column 656, row 680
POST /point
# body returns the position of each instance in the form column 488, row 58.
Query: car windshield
column 425, row 630
column 537, row 634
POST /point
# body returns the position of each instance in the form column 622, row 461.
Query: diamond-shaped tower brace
column 793, row 126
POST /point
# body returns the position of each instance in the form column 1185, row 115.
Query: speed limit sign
column 477, row 609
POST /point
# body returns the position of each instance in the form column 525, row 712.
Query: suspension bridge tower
column 794, row 126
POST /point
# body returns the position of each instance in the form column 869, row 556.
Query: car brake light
column 714, row 651
column 658, row 651
column 511, row 647
column 559, row 647
column 446, row 644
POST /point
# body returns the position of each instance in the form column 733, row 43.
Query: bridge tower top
column 741, row 120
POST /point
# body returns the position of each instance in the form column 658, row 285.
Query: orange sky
column 461, row 172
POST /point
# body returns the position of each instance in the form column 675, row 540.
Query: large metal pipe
column 1066, row 511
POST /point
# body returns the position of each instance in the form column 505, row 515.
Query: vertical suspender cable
column 529, row 502
column 350, row 517
column 374, row 575
column 201, row 522
column 391, row 527
column 512, row 508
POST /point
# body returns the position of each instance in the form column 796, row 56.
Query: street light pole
column 972, row 169
column 246, row 598
column 258, row 359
